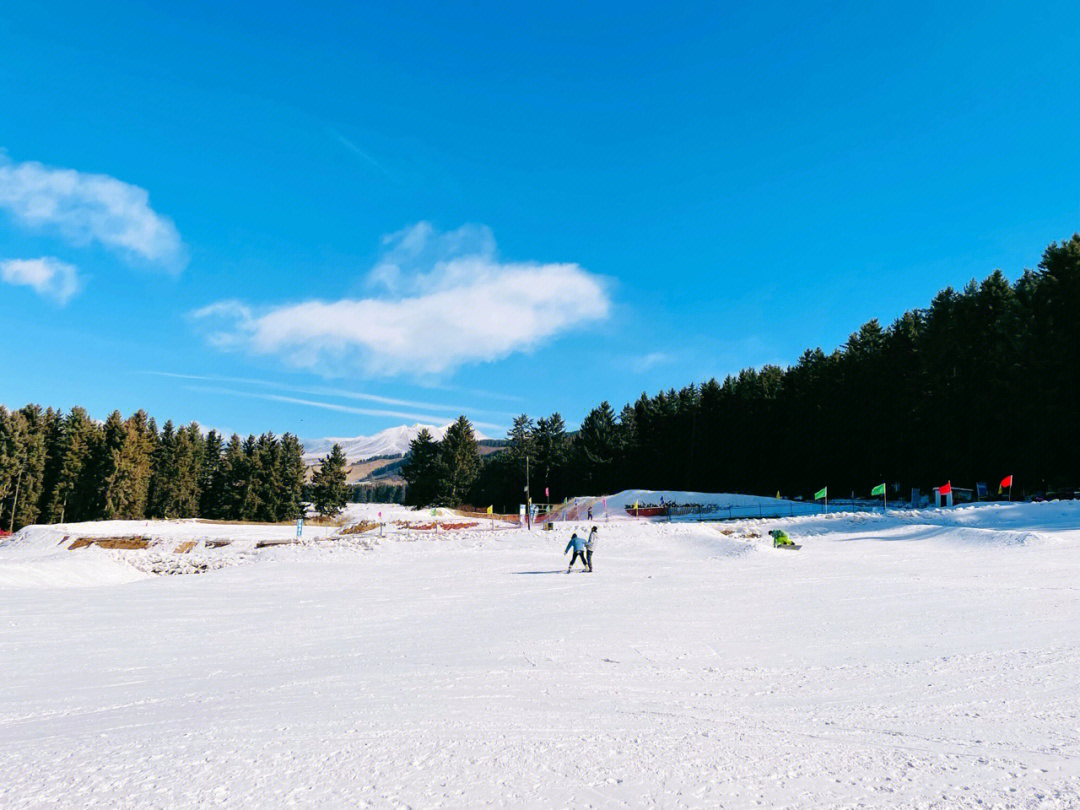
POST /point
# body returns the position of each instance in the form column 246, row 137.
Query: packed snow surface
column 923, row 659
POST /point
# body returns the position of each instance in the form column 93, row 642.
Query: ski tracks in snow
column 880, row 666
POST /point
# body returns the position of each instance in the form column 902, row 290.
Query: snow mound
column 643, row 497
column 956, row 527
column 712, row 503
column 115, row 552
column 60, row 569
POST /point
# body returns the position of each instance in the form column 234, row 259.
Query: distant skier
column 589, row 544
column 578, row 545
column 590, row 513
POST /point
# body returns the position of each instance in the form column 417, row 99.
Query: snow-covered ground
column 920, row 659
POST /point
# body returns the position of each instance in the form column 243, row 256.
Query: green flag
column 878, row 490
column 821, row 493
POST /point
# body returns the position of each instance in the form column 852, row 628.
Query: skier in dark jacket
column 578, row 545
column 589, row 544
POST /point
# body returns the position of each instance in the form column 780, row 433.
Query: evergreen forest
column 981, row 384
column 57, row 467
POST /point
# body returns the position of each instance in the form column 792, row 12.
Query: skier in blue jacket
column 578, row 545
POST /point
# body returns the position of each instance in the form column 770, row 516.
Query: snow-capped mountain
column 390, row 442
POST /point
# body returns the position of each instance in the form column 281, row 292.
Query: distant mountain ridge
column 390, row 442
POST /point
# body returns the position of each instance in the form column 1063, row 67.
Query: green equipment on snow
column 781, row 540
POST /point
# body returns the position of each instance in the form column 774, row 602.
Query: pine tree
column 552, row 452
column 328, row 491
column 54, row 437
column 123, row 465
column 626, row 446
column 267, row 477
column 233, row 480
column 460, row 458
column 291, row 474
column 423, row 471
column 164, row 481
column 187, row 466
column 72, row 498
column 136, row 466
column 596, row 448
column 211, row 480
column 14, row 445
column 520, row 442
column 108, row 468
column 250, row 501
column 32, row 473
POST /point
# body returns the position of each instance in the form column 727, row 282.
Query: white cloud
column 48, row 276
column 447, row 301
column 644, row 362
column 86, row 208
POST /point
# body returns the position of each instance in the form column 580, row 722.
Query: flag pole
column 528, row 497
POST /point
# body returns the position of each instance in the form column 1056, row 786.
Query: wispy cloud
column 447, row 301
column 644, row 362
column 333, row 392
column 85, row 208
column 475, row 392
column 359, row 152
column 48, row 277
column 329, row 406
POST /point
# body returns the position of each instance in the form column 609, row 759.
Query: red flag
column 946, row 489
column 1006, row 482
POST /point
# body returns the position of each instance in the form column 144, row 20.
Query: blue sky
column 335, row 218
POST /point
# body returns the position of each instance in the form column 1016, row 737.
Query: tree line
column 981, row 384
column 57, row 467
column 378, row 493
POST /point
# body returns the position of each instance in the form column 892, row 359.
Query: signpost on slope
column 528, row 498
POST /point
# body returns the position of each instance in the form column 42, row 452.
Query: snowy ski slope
column 922, row 659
